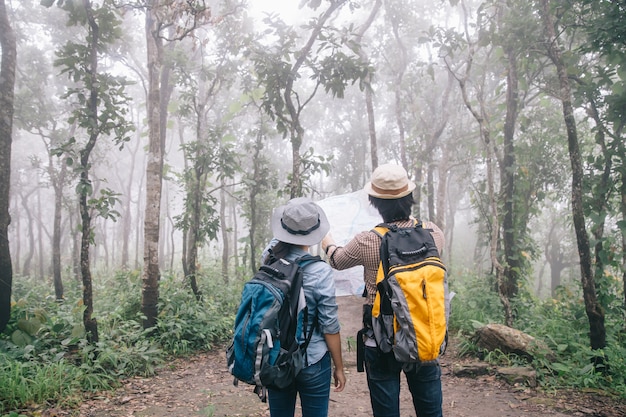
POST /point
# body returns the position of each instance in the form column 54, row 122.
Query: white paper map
column 349, row 214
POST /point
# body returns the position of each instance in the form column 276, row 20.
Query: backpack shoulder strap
column 304, row 260
column 381, row 229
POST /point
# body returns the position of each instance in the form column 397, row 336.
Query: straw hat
column 389, row 181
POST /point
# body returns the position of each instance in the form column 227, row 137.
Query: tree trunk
column 296, row 132
column 17, row 247
column 140, row 219
column 224, row 230
column 595, row 313
column 58, row 182
column 194, row 228
column 623, row 228
column 7, row 91
column 127, row 218
column 235, row 233
column 442, row 190
column 493, row 223
column 369, row 100
column 40, row 236
column 400, row 122
column 257, row 179
column 31, row 234
column 430, row 189
column 75, row 243
column 397, row 90
column 507, row 173
column 154, row 173
column 90, row 323
column 369, row 105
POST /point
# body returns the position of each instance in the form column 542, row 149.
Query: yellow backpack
column 409, row 312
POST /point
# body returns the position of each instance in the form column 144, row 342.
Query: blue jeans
column 383, row 380
column 313, row 385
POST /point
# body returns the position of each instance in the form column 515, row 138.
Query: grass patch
column 46, row 359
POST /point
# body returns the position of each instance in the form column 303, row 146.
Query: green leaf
column 58, row 327
column 557, row 366
column 20, row 338
column 78, row 331
column 29, row 326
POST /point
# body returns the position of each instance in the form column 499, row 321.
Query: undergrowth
column 560, row 323
column 46, row 359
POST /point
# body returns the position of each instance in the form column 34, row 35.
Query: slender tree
column 595, row 312
column 479, row 111
column 7, row 91
column 161, row 16
column 369, row 95
column 101, row 111
column 279, row 69
column 604, row 91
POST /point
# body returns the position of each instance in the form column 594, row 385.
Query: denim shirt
column 319, row 292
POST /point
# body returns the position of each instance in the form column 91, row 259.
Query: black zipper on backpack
column 401, row 268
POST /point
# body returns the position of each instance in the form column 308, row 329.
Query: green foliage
column 53, row 362
column 311, row 165
column 105, row 203
column 478, row 302
column 499, row 358
column 24, row 382
column 205, row 158
column 560, row 323
column 185, row 324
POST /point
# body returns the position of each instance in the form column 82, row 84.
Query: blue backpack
column 272, row 313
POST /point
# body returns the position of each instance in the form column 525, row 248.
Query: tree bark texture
column 90, row 323
column 58, row 182
column 224, row 230
column 154, row 172
column 7, row 94
column 369, row 99
column 28, row 258
column 508, row 169
column 595, row 313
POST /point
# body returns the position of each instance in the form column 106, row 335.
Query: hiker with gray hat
column 296, row 226
column 390, row 192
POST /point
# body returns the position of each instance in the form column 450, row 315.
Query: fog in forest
column 421, row 84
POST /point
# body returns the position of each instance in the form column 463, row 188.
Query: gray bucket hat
column 300, row 222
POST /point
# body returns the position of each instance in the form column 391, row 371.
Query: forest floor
column 201, row 386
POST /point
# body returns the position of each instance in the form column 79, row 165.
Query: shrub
column 186, row 324
column 560, row 322
column 47, row 359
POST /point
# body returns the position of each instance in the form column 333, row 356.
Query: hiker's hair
column 395, row 209
column 279, row 250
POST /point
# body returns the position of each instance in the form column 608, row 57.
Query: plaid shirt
column 363, row 249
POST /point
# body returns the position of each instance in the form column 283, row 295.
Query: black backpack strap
column 303, row 261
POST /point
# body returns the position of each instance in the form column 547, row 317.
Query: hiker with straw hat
column 390, row 191
column 296, row 226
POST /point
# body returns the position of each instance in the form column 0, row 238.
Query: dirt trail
column 201, row 386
